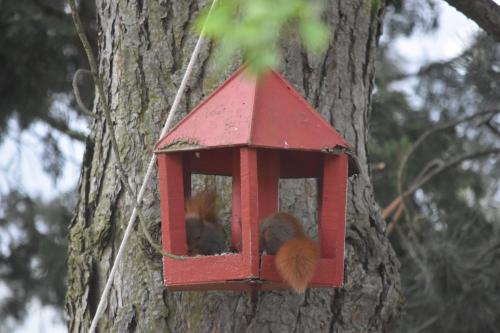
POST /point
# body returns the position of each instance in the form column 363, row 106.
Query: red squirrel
column 281, row 234
column 296, row 255
column 204, row 234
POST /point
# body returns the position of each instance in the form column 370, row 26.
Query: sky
column 21, row 154
column 449, row 40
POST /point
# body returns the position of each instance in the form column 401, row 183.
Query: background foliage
column 448, row 242
column 39, row 53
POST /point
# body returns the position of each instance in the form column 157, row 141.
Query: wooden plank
column 219, row 285
column 204, row 269
column 301, row 164
column 237, row 285
column 187, row 175
column 212, row 161
column 268, row 179
column 333, row 211
column 173, row 226
column 236, row 202
column 249, row 210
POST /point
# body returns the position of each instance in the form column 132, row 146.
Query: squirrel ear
column 203, row 204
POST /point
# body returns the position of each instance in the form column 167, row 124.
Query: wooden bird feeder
column 256, row 131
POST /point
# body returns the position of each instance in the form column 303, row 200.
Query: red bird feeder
column 256, row 131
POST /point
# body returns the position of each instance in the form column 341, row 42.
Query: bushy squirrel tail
column 203, row 205
column 296, row 261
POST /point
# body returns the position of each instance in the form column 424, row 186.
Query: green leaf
column 261, row 62
column 314, row 35
column 254, row 28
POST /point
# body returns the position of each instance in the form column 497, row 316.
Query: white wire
column 149, row 172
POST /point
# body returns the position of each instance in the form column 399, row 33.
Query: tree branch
column 493, row 128
column 430, row 68
column 486, row 13
column 436, row 164
column 50, row 11
column 449, row 164
column 433, row 130
column 398, row 203
column 63, row 127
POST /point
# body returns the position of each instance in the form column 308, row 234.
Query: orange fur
column 296, row 262
column 296, row 255
column 203, row 205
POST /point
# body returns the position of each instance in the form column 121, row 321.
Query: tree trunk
column 143, row 49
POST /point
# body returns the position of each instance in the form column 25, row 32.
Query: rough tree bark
column 143, row 47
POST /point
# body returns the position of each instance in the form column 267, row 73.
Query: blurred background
column 435, row 106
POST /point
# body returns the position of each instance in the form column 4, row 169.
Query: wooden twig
column 399, row 181
column 398, row 203
column 390, row 208
column 395, row 218
column 432, row 131
column 449, row 164
column 430, row 68
column 492, row 127
column 63, row 127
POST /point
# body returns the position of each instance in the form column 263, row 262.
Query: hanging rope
column 152, row 162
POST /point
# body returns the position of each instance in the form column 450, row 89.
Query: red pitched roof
column 264, row 113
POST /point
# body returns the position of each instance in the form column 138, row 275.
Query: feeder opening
column 217, row 170
column 221, row 188
column 301, row 200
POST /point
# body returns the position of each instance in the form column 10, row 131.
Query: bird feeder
column 256, row 131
